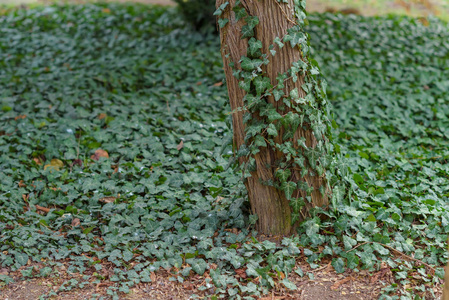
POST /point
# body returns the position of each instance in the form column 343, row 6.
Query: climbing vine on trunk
column 280, row 110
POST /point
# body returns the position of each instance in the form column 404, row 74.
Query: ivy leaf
column 295, row 36
column 272, row 130
column 252, row 21
column 247, row 32
column 248, row 64
column 297, row 204
column 254, row 46
column 259, row 141
column 271, row 113
column 251, row 100
column 221, row 8
column 283, row 174
column 262, row 84
column 288, row 284
column 278, row 93
column 380, row 249
column 288, row 188
column 352, row 260
column 338, row 264
column 294, row 94
column 198, row 265
column 245, row 85
column 278, row 42
column 21, row 259
column 348, row 242
column 222, row 22
column 240, row 12
column 291, row 121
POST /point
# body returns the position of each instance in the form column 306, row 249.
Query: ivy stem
column 397, row 251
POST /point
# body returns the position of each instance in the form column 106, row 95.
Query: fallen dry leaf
column 107, row 199
column 55, row 164
column 78, row 162
column 99, row 153
column 180, row 146
column 76, row 222
column 37, row 160
column 41, row 208
column 102, row 116
column 22, row 184
column 218, row 83
column 188, row 286
column 153, row 276
column 4, row 271
column 340, row 282
column 241, row 273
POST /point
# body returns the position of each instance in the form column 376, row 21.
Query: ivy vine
column 264, row 121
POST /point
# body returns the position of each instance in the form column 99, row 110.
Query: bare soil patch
column 320, row 283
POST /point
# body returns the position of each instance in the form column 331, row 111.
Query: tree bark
column 269, row 203
column 446, row 283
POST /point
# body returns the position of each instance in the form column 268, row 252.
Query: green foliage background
column 63, row 66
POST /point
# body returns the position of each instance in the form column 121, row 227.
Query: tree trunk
column 267, row 201
column 446, row 283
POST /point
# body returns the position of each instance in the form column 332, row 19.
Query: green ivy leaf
column 222, row 22
column 297, row 204
column 295, row 36
column 198, row 265
column 277, row 93
column 348, row 242
column 262, row 84
column 245, row 85
column 288, row 284
column 288, row 188
column 291, row 121
column 380, row 249
column 278, row 42
column 254, row 46
column 294, row 94
column 252, row 21
column 247, row 32
column 352, row 260
column 221, row 8
column 283, row 174
column 271, row 130
column 338, row 264
column 259, row 141
column 248, row 64
column 21, row 259
column 240, row 12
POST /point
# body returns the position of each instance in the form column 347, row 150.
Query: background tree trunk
column 270, row 204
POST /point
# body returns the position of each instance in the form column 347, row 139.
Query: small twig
column 397, row 251
column 41, row 208
column 320, row 268
column 284, row 13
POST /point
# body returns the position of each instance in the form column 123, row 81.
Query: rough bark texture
column 269, row 203
column 446, row 284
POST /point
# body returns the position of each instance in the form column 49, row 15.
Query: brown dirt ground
column 318, row 284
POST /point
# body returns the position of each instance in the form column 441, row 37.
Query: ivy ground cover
column 115, row 147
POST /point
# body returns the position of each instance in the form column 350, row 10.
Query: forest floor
column 324, row 284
